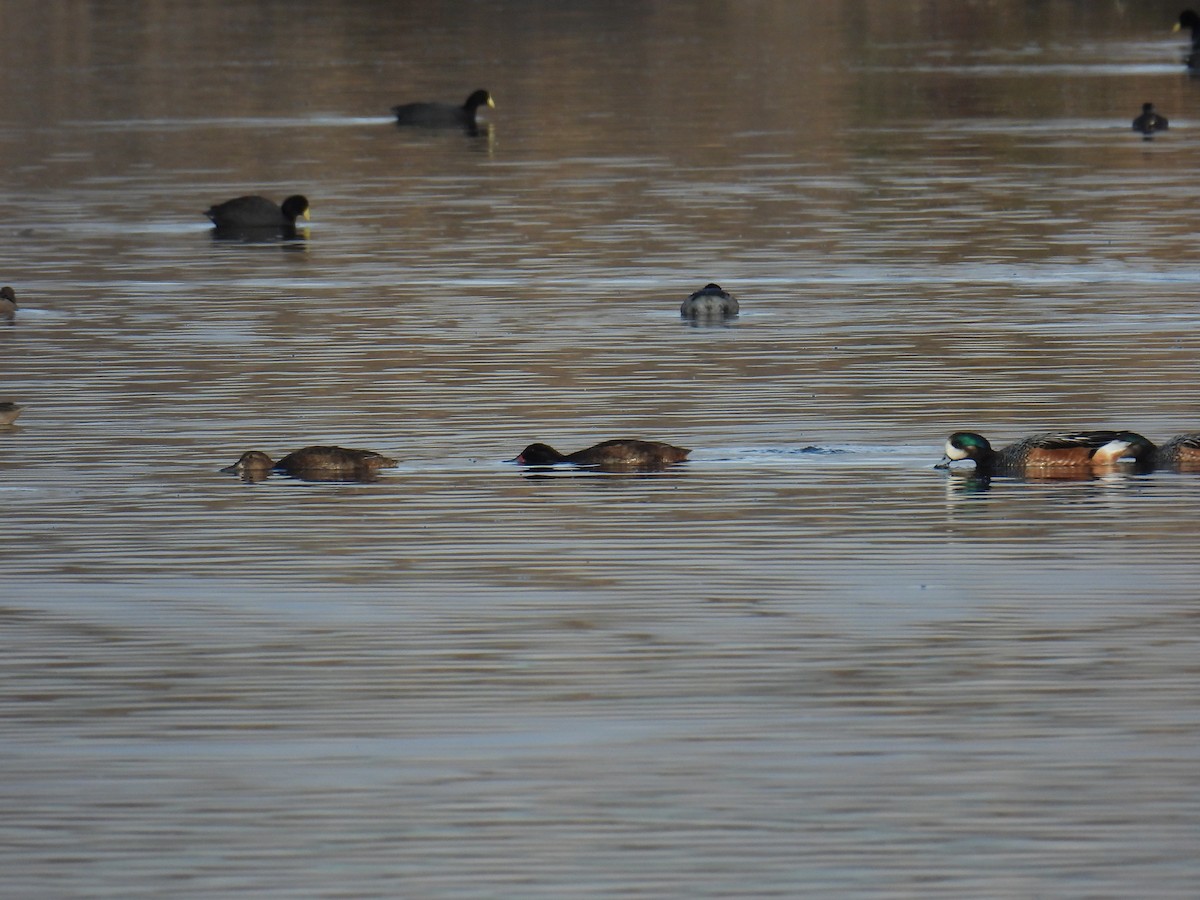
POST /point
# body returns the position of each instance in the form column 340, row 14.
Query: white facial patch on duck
column 953, row 452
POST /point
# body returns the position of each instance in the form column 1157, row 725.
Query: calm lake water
column 803, row 664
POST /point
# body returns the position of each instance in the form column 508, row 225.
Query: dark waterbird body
column 313, row 464
column 1188, row 19
column 252, row 213
column 9, row 413
column 1081, row 450
column 8, row 302
column 616, row 455
column 444, row 115
column 710, row 302
column 1149, row 121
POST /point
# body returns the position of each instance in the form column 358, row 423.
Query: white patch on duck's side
column 1111, row 452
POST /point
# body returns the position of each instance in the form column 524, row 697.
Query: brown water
column 803, row 664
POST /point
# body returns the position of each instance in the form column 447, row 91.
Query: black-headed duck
column 615, row 455
column 444, row 115
column 1078, row 450
column 254, row 212
column 313, row 464
column 1149, row 121
column 9, row 412
column 710, row 303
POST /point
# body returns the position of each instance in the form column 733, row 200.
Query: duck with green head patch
column 1075, row 450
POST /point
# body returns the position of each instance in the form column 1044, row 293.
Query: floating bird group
column 254, row 215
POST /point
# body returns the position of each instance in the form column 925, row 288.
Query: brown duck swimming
column 8, row 302
column 1078, row 450
column 313, row 464
column 615, row 455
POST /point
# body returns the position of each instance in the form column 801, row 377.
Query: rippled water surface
column 802, row 664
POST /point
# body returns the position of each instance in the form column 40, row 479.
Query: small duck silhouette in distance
column 254, row 215
column 8, row 302
column 1149, row 121
column 1076, row 450
column 710, row 303
column 9, row 412
column 444, row 115
column 1189, row 19
column 621, row 455
column 315, row 463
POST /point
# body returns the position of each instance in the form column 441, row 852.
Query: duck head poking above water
column 1149, row 121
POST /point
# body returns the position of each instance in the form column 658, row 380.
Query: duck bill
column 491, row 103
column 944, row 464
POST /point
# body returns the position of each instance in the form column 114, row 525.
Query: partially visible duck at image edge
column 315, row 463
column 9, row 412
column 710, row 302
column 1188, row 19
column 627, row 455
column 1080, row 450
column 8, row 302
column 1181, row 453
